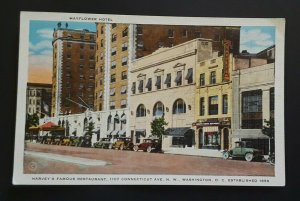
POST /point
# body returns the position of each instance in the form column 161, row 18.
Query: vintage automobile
column 65, row 141
column 85, row 141
column 122, row 143
column 74, row 141
column 103, row 143
column 243, row 149
column 148, row 145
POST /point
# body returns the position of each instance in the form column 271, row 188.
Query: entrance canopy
column 178, row 131
column 50, row 126
column 249, row 134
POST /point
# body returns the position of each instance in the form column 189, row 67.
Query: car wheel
column 110, row 146
column 249, row 157
column 135, row 148
column 122, row 147
column 225, row 155
column 149, row 149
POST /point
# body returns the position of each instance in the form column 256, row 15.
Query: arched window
column 109, row 122
column 141, row 111
column 158, row 109
column 179, row 107
column 85, row 124
column 116, row 121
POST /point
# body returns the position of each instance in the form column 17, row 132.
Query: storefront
column 213, row 133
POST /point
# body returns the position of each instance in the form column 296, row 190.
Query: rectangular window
column 113, row 64
column 124, row 61
column 189, row 76
column 112, row 105
column 113, row 51
column 213, row 105
column 133, row 87
column 92, row 37
column 113, row 37
column 124, row 75
column 140, row 45
column 92, row 57
column 112, row 92
column 124, row 46
column 139, row 29
column 81, row 45
column 202, row 106
column 252, row 109
column 168, row 80
column 125, row 32
column 92, row 47
column 69, row 44
column 202, row 79
column 81, row 56
column 185, row 33
column 213, row 77
column 171, row 33
column 123, row 89
column 141, row 86
column 178, row 79
column 123, row 103
column 197, row 34
column 113, row 78
column 69, row 56
column 102, row 29
column 149, row 84
column 158, row 82
column 225, row 104
column 91, row 66
column 113, row 25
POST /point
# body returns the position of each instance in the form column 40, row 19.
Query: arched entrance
column 226, row 138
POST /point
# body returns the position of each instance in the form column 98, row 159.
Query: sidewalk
column 194, row 152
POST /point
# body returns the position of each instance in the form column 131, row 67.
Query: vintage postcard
column 114, row 100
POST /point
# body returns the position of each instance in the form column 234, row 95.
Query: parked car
column 148, row 145
column 74, row 141
column 65, row 141
column 85, row 141
column 103, row 143
column 57, row 139
column 243, row 149
column 122, row 143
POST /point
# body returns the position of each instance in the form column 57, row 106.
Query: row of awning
column 116, row 132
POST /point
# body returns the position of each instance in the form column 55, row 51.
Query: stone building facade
column 38, row 99
column 253, row 96
column 119, row 44
column 73, row 70
column 163, row 84
column 213, row 103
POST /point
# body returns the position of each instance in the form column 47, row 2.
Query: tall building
column 73, row 70
column 119, row 44
column 38, row 99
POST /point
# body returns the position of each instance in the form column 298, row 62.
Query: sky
column 252, row 38
column 40, row 47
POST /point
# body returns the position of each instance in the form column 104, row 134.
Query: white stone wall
column 76, row 122
column 255, row 78
column 161, row 63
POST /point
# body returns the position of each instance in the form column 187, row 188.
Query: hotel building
column 73, row 70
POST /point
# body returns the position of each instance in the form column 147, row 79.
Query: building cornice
column 187, row 54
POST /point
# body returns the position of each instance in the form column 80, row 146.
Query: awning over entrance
column 178, row 132
column 115, row 132
column 249, row 134
column 122, row 132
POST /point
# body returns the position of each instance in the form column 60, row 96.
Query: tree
column 268, row 129
column 157, row 127
column 31, row 120
column 90, row 128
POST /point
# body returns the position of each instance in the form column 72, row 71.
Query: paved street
column 43, row 159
